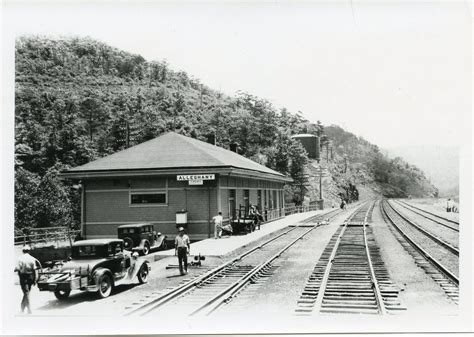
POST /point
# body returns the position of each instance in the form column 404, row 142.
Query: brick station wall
column 107, row 203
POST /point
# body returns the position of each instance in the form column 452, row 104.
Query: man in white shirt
column 217, row 225
column 182, row 247
column 26, row 268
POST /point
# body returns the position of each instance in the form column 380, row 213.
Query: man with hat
column 26, row 268
column 182, row 247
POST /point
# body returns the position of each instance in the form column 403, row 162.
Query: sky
column 396, row 74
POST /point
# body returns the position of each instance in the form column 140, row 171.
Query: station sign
column 195, row 179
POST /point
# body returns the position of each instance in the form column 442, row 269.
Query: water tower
column 311, row 145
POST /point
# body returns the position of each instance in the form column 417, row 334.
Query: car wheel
column 146, row 248
column 164, row 245
column 105, row 285
column 143, row 274
column 62, row 294
column 127, row 243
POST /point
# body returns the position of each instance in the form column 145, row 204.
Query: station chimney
column 234, row 147
column 211, row 138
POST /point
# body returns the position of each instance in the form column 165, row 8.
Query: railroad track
column 424, row 258
column 350, row 276
column 448, row 223
column 206, row 293
column 418, row 229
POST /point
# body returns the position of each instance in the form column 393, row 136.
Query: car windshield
column 83, row 252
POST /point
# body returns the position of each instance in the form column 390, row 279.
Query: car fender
column 139, row 264
column 96, row 274
column 159, row 240
column 142, row 243
column 133, row 271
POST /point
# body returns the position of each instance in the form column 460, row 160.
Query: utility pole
column 327, row 152
column 321, row 172
column 320, row 185
column 345, row 163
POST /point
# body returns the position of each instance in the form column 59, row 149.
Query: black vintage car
column 96, row 265
column 141, row 237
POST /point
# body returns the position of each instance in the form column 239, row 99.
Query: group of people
column 451, row 206
column 27, row 265
column 220, row 228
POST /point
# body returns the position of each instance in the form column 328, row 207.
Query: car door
column 116, row 256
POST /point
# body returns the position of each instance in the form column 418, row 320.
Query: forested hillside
column 369, row 167
column 78, row 99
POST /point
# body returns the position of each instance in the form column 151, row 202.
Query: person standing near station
column 26, row 268
column 218, row 219
column 255, row 214
column 182, row 247
column 449, row 205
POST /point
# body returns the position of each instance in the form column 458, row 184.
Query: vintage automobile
column 96, row 265
column 141, row 237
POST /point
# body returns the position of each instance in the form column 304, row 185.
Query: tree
column 53, row 206
column 26, row 188
column 92, row 111
column 79, row 99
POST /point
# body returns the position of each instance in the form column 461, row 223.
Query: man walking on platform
column 182, row 247
column 26, row 268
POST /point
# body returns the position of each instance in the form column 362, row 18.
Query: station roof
column 172, row 151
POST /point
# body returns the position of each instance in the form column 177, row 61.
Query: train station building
column 170, row 179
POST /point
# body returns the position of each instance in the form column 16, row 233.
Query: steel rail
column 229, row 292
column 433, row 214
column 319, row 298
column 433, row 237
column 378, row 294
column 179, row 290
column 325, row 279
column 409, row 207
column 424, row 253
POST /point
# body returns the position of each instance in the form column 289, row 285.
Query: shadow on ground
column 81, row 297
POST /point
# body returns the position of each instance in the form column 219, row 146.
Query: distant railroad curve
column 427, row 212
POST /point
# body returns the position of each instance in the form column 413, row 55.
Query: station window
column 147, row 198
